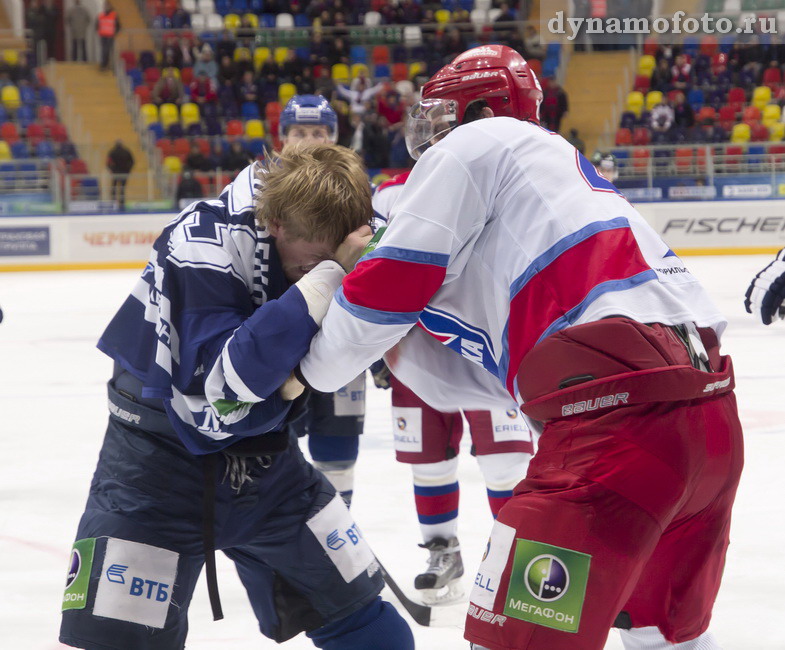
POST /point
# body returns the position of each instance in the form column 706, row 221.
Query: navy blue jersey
column 213, row 327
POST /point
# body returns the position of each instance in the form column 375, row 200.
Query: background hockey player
column 605, row 164
column 195, row 456
column 562, row 291
column 429, row 440
column 333, row 421
column 766, row 293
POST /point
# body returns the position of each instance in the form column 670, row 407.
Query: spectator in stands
column 452, row 45
column 227, row 71
column 292, row 68
column 181, row 19
column 339, row 51
column 681, row 72
column 79, row 21
column 244, row 62
column 188, row 188
column 661, row 77
column 576, row 141
column 359, row 94
column 534, row 47
column 5, row 79
column 172, row 52
column 236, row 158
column 203, row 90
column 224, row 47
column 306, row 84
column 662, row 117
column 389, row 106
column 206, row 64
column 196, row 160
column 554, row 105
column 216, row 154
column 227, row 98
column 120, row 162
column 168, row 89
column 35, row 21
column 268, row 89
column 683, row 115
column 248, row 89
column 107, row 25
column 376, row 145
column 325, row 85
column 52, row 16
column 320, row 49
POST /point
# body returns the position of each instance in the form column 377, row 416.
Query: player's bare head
column 493, row 77
column 318, row 193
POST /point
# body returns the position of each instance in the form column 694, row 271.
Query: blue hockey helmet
column 309, row 109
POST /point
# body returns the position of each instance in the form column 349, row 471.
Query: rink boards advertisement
column 124, row 240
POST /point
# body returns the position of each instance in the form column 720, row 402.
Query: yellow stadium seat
column 173, row 165
column 280, row 54
column 260, row 55
column 741, row 133
column 652, row 99
column 168, row 114
column 443, row 16
column 285, row 92
column 777, row 132
column 771, row 114
column 416, row 68
column 242, row 54
column 761, row 96
column 11, row 57
column 340, row 73
column 646, row 65
column 189, row 114
column 358, row 68
column 252, row 20
column 5, row 151
column 149, row 113
column 254, row 129
column 232, row 21
column 10, row 97
column 635, row 102
column 171, row 70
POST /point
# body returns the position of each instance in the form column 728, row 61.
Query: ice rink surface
column 53, row 415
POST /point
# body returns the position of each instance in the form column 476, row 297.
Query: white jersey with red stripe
column 386, row 195
column 503, row 235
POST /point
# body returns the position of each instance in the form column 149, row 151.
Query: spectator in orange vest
column 107, row 25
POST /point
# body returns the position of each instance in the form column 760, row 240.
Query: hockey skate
column 440, row 584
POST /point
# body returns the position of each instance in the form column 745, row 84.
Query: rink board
column 124, row 240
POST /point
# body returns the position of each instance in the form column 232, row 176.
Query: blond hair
column 318, row 192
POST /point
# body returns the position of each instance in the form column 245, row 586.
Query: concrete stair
column 99, row 112
column 591, row 83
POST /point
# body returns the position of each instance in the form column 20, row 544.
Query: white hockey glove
column 766, row 293
column 291, row 389
column 318, row 287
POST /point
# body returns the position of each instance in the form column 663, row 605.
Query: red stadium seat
column 737, row 96
column 706, row 114
column 9, row 132
column 165, row 146
column 751, row 115
column 77, row 166
column 623, row 138
column 151, row 76
column 399, row 71
column 772, row 77
column 58, row 132
column 709, row 45
column 234, row 128
column 35, row 133
column 129, row 58
column 640, row 159
column 683, row 157
column 641, row 136
column 46, row 113
column 143, row 93
column 181, row 147
column 650, row 46
column 760, row 132
column 187, row 76
column 733, row 155
column 642, row 83
column 380, row 54
column 204, row 146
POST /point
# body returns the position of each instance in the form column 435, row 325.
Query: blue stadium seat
column 267, row 20
column 691, row 46
column 213, row 126
column 223, row 7
column 756, row 154
column 255, row 147
column 381, row 70
column 240, row 6
column 553, row 51
column 3, row 114
column 146, row 59
column 627, row 120
column 175, row 130
column 256, row 6
column 357, row 54
column 27, row 95
column 726, row 43
column 45, row 149
column 19, row 150
column 68, row 151
column 695, row 98
column 301, row 20
column 303, row 52
column 250, row 111
column 136, row 78
column 549, row 67
column 25, row 115
column 157, row 130
column 89, row 188
column 46, row 96
column 194, row 129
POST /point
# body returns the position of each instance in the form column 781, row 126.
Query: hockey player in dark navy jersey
column 196, row 457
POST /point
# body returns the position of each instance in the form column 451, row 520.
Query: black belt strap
column 208, row 535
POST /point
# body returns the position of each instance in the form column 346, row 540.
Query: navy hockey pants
column 139, row 548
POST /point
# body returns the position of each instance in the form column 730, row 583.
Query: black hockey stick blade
column 420, row 613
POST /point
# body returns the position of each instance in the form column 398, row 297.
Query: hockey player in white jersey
column 765, row 296
column 565, row 296
column 429, row 439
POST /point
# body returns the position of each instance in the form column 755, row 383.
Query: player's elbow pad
column 318, row 287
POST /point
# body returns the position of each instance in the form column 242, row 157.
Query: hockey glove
column 766, row 293
column 381, row 374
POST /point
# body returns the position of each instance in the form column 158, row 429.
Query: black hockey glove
column 766, row 293
column 381, row 374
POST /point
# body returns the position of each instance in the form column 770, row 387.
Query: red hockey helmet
column 494, row 73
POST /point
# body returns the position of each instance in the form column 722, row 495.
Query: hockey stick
column 420, row 613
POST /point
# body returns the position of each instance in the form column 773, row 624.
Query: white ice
column 53, row 414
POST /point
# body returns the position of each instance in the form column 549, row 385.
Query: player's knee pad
column 377, row 626
column 503, row 471
column 650, row 638
column 339, row 472
column 441, row 473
